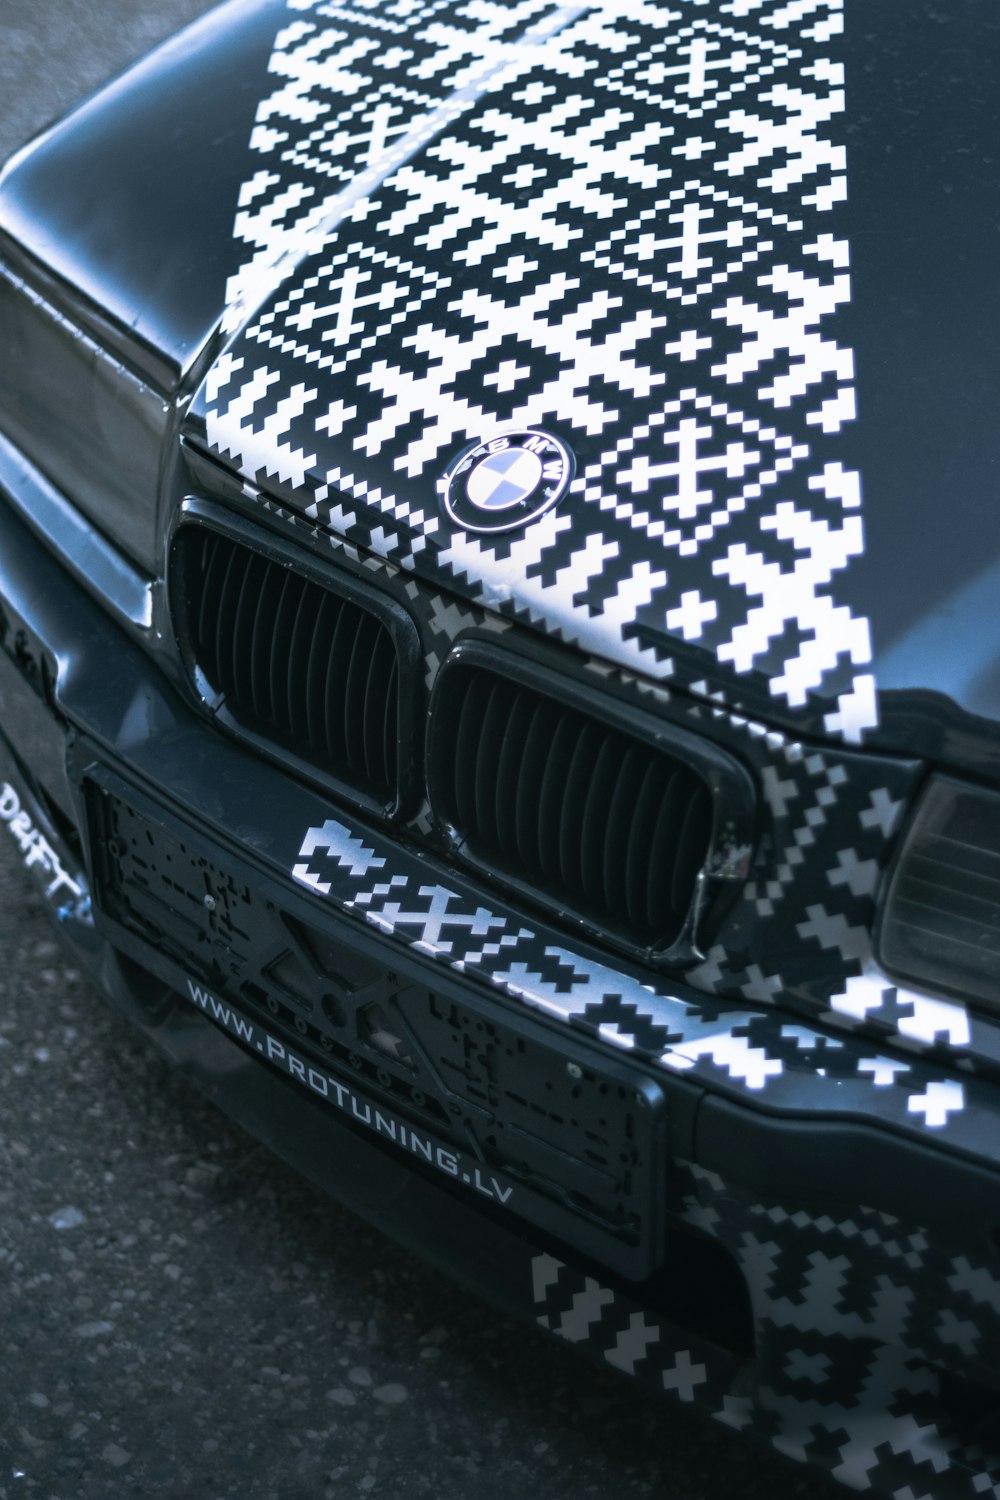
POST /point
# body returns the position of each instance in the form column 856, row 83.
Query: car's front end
column 437, row 676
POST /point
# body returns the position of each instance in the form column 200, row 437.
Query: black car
column 499, row 671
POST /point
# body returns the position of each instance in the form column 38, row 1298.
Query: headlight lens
column 940, row 923
column 89, row 424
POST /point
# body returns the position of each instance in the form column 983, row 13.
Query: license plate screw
column 574, row 1070
column 210, row 903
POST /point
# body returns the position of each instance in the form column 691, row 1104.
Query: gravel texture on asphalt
column 179, row 1313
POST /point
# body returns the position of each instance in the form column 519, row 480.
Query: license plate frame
column 187, row 945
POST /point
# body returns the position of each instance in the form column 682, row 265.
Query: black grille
column 582, row 1145
column 575, row 810
column 293, row 662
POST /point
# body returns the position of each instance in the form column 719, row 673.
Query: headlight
column 89, row 424
column 940, row 923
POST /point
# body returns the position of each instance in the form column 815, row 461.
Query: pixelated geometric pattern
column 799, row 934
column 802, row 927
column 580, row 1310
column 618, row 221
column 621, row 222
column 856, row 1320
column 745, row 1052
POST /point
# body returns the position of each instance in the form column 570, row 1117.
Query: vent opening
column 571, row 809
column 291, row 662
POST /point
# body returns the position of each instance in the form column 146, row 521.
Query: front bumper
column 816, row 1261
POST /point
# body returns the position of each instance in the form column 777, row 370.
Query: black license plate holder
column 549, row 1126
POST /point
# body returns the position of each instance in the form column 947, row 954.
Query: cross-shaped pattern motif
column 854, row 1318
column 617, row 221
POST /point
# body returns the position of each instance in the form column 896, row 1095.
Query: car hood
column 708, row 254
column 738, row 259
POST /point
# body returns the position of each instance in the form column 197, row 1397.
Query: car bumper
column 814, row 1263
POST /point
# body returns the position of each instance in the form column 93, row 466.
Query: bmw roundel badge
column 506, row 481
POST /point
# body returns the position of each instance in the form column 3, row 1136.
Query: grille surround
column 290, row 656
column 615, row 769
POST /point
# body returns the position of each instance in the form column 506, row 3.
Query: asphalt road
column 179, row 1313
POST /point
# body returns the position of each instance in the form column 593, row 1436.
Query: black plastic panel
column 294, row 660
column 574, row 809
column 579, row 1137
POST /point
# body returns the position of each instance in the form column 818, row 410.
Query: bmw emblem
column 507, row 481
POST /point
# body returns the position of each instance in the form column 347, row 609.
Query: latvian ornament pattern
column 618, row 222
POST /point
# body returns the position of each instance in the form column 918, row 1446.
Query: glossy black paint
column 130, row 200
column 109, row 712
column 772, row 1106
column 923, row 214
column 131, row 203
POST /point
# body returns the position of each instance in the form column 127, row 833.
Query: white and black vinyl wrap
column 859, row 1318
column 620, row 223
column 615, row 221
